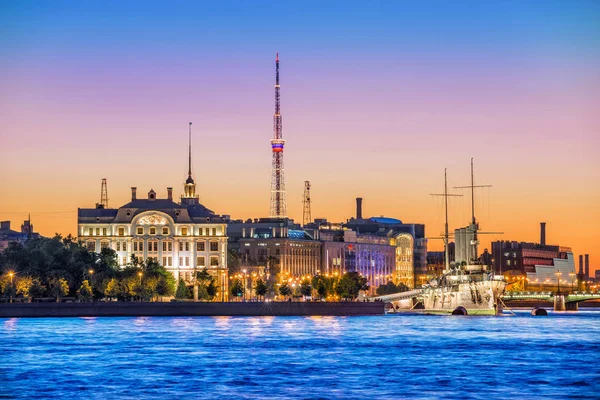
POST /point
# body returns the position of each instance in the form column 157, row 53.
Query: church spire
column 189, row 189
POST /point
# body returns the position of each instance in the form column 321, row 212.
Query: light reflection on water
column 394, row 356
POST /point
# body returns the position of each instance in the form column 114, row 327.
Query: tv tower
column 278, row 206
column 306, row 217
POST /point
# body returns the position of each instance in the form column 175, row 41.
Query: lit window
column 200, row 261
column 97, row 231
column 121, row 231
column 187, row 246
column 170, row 261
column 201, row 231
column 214, row 246
column 140, row 230
column 180, row 246
column 124, row 261
column 187, row 261
column 184, row 231
column 165, row 230
column 180, row 261
column 152, row 230
column 214, row 231
column 124, row 246
column 118, row 246
column 214, row 261
column 91, row 231
column 200, row 246
column 104, row 231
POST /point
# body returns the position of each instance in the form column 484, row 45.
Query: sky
column 377, row 97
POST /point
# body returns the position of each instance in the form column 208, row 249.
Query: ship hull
column 477, row 298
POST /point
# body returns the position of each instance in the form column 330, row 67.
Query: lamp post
column 245, row 283
column 140, row 275
column 558, row 275
column 572, row 275
column 11, row 285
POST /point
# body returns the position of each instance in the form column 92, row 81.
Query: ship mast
column 446, row 233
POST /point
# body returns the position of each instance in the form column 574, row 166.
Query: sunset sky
column 377, row 99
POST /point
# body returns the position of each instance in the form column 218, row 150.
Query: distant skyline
column 377, row 99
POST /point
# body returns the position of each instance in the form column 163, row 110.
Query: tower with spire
column 278, row 203
column 189, row 188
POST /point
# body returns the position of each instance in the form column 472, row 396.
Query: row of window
column 153, row 246
column 153, row 231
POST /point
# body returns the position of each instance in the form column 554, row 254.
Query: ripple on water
column 397, row 356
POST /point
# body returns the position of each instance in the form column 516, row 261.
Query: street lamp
column 11, row 285
column 558, row 275
column 572, row 275
column 140, row 275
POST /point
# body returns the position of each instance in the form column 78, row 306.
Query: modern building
column 183, row 236
column 7, row 235
column 538, row 261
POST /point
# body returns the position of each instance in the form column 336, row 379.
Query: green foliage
column 391, row 287
column 182, row 290
column 321, row 289
column 58, row 287
column 350, row 285
column 233, row 261
column 84, row 293
column 261, row 288
column 113, row 289
column 285, row 290
column 306, row 288
column 237, row 288
column 165, row 286
column 212, row 289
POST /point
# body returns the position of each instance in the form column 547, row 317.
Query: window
column 201, row 231
column 91, row 246
column 103, row 245
column 124, row 261
column 180, row 246
column 200, row 246
column 200, row 261
column 104, row 231
column 152, row 230
column 214, row 232
column 214, row 261
column 97, row 231
column 164, row 261
column 170, row 261
column 124, row 246
column 187, row 261
column 118, row 246
column 140, row 230
column 180, row 261
column 165, row 230
column 121, row 231
column 277, row 252
column 184, row 231
column 187, row 246
column 214, row 246
column 153, row 246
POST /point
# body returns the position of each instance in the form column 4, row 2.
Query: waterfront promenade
column 164, row 309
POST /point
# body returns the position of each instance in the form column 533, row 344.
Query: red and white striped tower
column 278, row 206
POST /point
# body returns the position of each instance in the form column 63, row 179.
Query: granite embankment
column 159, row 309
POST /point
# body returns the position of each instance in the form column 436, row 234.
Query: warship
column 465, row 287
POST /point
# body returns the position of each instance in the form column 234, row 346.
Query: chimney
column 170, row 193
column 133, row 193
column 543, row 233
column 359, row 208
column 587, row 266
column 581, row 265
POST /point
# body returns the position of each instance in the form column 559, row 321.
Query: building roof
column 385, row 220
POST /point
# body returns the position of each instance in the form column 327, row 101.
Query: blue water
column 382, row 357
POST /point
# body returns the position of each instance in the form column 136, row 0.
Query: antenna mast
column 446, row 233
column 306, row 217
column 103, row 195
column 278, row 203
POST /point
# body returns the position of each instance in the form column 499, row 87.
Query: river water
column 378, row 357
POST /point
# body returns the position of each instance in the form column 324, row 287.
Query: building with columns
column 182, row 236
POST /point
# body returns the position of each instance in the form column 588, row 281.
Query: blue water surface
column 378, row 357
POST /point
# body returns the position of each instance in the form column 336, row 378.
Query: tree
column 321, row 289
column 113, row 288
column 350, row 285
column 233, row 261
column 165, row 286
column 84, row 293
column 36, row 289
column 306, row 288
column 212, row 289
column 285, row 290
column 182, row 290
column 260, row 289
column 59, row 287
column 23, row 286
column 237, row 288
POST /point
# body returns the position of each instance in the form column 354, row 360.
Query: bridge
column 562, row 300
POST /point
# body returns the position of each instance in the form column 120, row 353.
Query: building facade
column 184, row 237
column 7, row 235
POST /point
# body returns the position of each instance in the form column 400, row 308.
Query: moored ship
column 466, row 287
